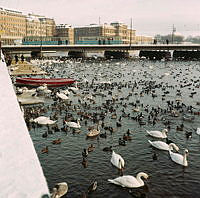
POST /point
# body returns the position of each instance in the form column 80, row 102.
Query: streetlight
column 173, row 30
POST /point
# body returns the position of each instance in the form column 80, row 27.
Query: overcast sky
column 149, row 17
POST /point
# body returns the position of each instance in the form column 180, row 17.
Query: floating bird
column 163, row 146
column 117, row 160
column 92, row 187
column 198, row 131
column 73, row 124
column 158, row 134
column 178, row 158
column 130, row 181
column 91, row 148
column 58, row 141
column 45, row 150
column 107, row 149
column 62, row 96
column 43, row 120
column 59, row 190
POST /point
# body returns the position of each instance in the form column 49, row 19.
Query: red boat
column 52, row 82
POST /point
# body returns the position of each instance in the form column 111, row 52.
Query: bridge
column 151, row 51
column 101, row 47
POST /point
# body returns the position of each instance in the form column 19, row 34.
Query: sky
column 149, row 17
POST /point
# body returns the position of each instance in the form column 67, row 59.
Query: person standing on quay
column 16, row 59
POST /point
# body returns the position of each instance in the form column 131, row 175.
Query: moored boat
column 50, row 82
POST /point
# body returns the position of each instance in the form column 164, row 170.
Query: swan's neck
column 185, row 159
column 139, row 178
column 164, row 133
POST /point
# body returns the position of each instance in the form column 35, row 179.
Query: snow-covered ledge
column 21, row 174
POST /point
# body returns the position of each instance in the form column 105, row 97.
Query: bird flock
column 117, row 102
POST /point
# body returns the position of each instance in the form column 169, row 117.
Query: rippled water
column 167, row 179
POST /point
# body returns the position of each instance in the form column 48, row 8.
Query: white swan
column 73, row 124
column 130, row 181
column 42, row 87
column 158, row 134
column 198, row 131
column 59, row 190
column 43, row 120
column 163, row 146
column 117, row 160
column 75, row 88
column 62, row 96
column 178, row 158
column 66, row 91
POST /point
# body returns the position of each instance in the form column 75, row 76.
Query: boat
column 50, row 82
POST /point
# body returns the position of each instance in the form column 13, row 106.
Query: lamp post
column 131, row 33
column 173, row 30
column 40, row 39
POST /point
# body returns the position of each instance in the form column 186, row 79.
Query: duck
column 129, row 181
column 85, row 153
column 93, row 132
column 188, row 134
column 127, row 137
column 163, row 146
column 154, row 156
column 59, row 190
column 107, row 149
column 85, row 163
column 92, row 187
column 158, row 134
column 91, row 148
column 117, row 160
column 73, row 124
column 178, row 158
column 45, row 150
column 58, row 141
column 103, row 135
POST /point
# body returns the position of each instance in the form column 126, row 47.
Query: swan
column 163, row 146
column 117, row 160
column 129, row 181
column 198, row 131
column 158, row 134
column 178, row 158
column 75, row 88
column 66, row 91
column 62, row 96
column 42, row 87
column 59, row 190
column 43, row 120
column 73, row 124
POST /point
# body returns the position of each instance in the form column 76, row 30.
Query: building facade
column 65, row 33
column 114, row 33
column 12, row 25
column 15, row 26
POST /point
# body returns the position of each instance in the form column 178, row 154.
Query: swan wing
column 157, row 134
column 198, row 131
column 116, row 159
column 126, row 181
column 159, row 145
column 73, row 124
column 178, row 158
column 62, row 96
